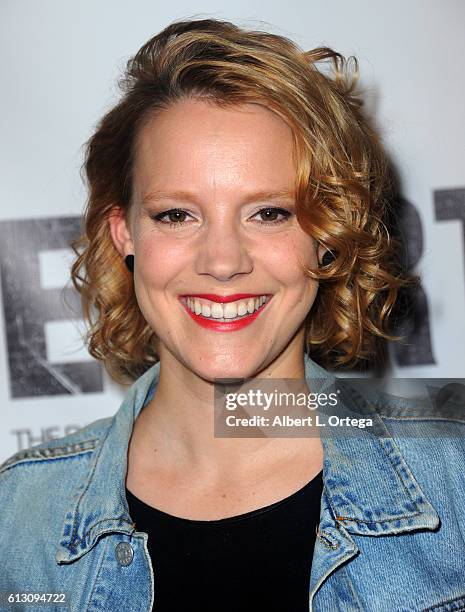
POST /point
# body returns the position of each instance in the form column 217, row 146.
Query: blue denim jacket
column 392, row 523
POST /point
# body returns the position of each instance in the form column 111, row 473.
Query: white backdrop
column 59, row 61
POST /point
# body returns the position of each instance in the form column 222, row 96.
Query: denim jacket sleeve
column 391, row 536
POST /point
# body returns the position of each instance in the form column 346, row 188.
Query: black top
column 258, row 561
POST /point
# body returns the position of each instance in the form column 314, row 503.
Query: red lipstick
column 224, row 326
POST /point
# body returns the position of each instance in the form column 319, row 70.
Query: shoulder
column 429, row 434
column 77, row 444
column 438, row 406
column 428, row 427
column 40, row 483
column 438, row 417
column 38, row 488
column 432, row 443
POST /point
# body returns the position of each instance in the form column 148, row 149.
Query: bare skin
column 223, row 158
column 176, row 465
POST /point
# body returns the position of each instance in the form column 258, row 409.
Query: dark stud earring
column 327, row 258
column 129, row 261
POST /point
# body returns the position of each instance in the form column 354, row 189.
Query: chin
column 225, row 367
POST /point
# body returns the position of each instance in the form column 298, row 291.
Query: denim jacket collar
column 368, row 487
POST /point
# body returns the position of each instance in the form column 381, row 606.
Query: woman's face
column 213, row 215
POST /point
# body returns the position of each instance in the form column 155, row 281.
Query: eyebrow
column 186, row 196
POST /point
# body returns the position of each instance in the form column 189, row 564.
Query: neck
column 177, row 425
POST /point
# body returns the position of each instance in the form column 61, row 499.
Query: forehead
column 198, row 142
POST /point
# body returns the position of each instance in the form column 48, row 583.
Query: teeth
column 206, row 310
column 228, row 311
column 217, row 311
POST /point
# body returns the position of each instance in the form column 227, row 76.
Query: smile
column 224, row 313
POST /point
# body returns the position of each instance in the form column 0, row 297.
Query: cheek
column 159, row 260
column 286, row 257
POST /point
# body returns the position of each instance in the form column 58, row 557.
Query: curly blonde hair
column 342, row 184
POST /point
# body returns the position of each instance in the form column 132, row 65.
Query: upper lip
column 223, row 299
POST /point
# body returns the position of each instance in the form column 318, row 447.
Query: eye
column 176, row 217
column 272, row 215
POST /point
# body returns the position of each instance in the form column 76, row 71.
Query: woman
column 235, row 225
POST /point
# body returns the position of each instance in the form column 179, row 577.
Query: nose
column 224, row 251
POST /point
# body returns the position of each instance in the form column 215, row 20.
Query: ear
column 120, row 232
